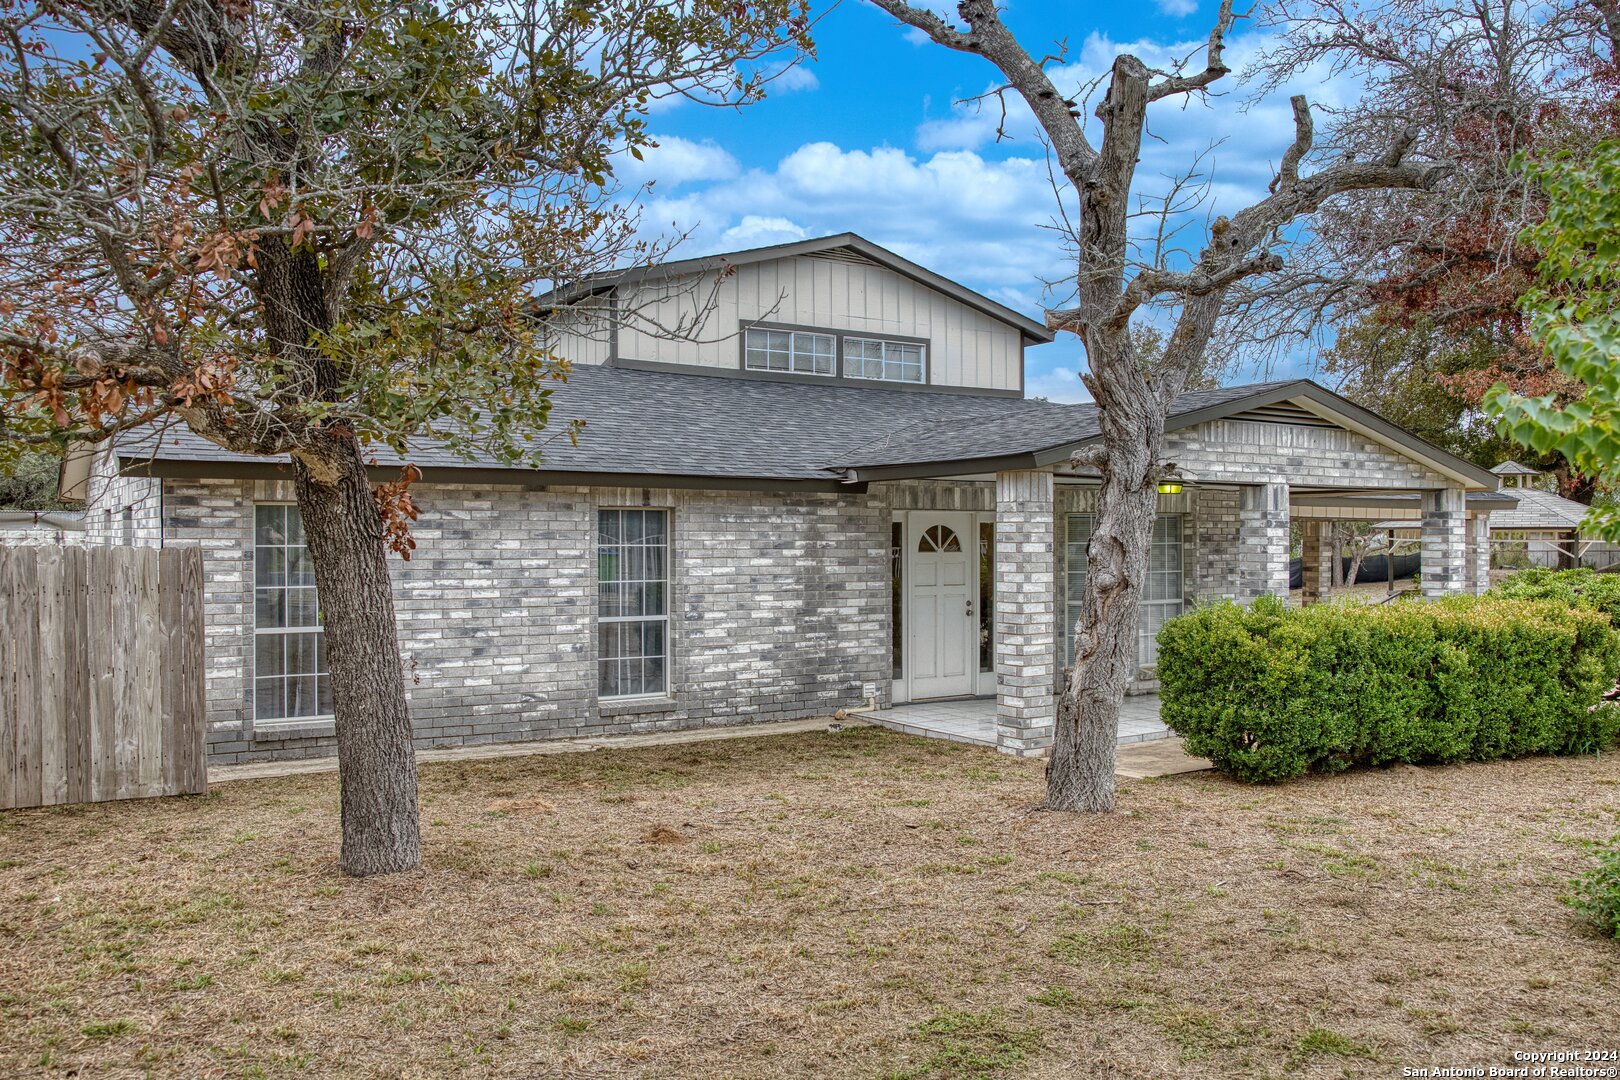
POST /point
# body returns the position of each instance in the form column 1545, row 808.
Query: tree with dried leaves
column 1430, row 287
column 1242, row 256
column 313, row 229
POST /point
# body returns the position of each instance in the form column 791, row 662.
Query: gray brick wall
column 1026, row 612
column 1444, row 562
column 780, row 603
column 1262, row 541
column 779, row 609
column 1247, row 452
column 1479, row 553
column 1215, row 561
column 125, row 510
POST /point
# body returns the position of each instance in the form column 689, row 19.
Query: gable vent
column 846, row 255
column 1283, row 412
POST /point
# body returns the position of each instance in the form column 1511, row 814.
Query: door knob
column 968, row 607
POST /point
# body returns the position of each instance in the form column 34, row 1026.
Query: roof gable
column 848, row 247
column 1050, row 439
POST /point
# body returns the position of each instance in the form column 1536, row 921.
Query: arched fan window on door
column 938, row 538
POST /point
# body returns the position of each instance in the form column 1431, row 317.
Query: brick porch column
column 1262, row 554
column 1025, row 612
column 1444, row 559
column 1479, row 553
column 1317, row 569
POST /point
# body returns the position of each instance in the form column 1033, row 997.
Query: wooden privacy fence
column 101, row 674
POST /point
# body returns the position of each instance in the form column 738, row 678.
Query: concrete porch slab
column 973, row 720
column 1162, row 757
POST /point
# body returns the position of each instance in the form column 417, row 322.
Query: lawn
column 855, row 904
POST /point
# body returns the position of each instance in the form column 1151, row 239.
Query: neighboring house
column 1530, row 525
column 1542, row 528
column 836, row 491
column 41, row 527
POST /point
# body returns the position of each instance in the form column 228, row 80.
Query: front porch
column 987, row 576
column 973, row 720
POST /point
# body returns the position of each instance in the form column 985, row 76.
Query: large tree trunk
column 1080, row 772
column 376, row 763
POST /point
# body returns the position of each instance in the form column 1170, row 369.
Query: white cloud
column 1179, row 9
column 797, row 78
column 1247, row 136
column 676, row 161
column 1057, row 384
column 976, row 211
column 975, row 220
column 756, row 231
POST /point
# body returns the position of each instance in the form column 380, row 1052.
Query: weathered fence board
column 101, row 674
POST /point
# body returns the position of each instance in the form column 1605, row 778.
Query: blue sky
column 868, row 138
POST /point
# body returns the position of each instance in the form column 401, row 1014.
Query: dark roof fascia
column 533, row 479
column 1395, row 500
column 924, row 470
column 1033, row 331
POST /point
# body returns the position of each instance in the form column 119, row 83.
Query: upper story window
column 890, row 361
column 791, row 350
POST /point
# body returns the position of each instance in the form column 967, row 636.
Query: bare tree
column 1111, row 287
column 1434, row 284
column 1361, row 540
column 315, row 229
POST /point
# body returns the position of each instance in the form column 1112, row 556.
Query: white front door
column 942, row 566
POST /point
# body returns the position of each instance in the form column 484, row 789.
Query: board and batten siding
column 966, row 347
column 580, row 339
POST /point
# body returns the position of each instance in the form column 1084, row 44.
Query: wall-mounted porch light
column 1169, row 487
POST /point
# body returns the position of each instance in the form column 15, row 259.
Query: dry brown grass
column 858, row 904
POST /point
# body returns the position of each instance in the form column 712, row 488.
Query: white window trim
column 669, row 644
column 793, row 354
column 886, row 343
column 1067, row 628
column 253, row 652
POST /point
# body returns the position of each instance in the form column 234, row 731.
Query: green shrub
column 1597, row 892
column 1579, row 588
column 1269, row 693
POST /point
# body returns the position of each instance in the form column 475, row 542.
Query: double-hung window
column 889, row 361
column 290, row 680
column 796, row 351
column 632, row 615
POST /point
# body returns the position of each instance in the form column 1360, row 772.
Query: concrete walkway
column 973, row 720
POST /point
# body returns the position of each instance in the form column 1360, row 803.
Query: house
column 836, row 491
column 41, row 527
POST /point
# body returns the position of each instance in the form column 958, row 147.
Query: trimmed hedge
column 1578, row 588
column 1269, row 693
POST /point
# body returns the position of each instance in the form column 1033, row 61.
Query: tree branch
column 1214, row 63
column 989, row 37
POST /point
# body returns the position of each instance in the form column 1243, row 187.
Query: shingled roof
column 661, row 425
